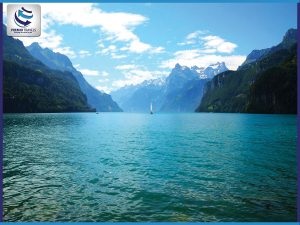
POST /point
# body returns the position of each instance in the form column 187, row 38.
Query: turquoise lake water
column 140, row 167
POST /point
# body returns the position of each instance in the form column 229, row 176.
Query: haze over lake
column 142, row 167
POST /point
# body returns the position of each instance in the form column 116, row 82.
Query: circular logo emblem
column 22, row 17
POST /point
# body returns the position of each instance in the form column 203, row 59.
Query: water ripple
column 164, row 167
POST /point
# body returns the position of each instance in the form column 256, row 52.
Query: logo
column 23, row 20
column 22, row 17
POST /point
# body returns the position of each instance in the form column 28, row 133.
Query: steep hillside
column 30, row 86
column 266, row 81
column 96, row 99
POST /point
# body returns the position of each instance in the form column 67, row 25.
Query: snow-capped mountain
column 181, row 91
column 214, row 69
column 137, row 98
column 155, row 82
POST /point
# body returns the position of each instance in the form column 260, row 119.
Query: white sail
column 151, row 112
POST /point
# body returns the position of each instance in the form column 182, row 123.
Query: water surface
column 140, row 167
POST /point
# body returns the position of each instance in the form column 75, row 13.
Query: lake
column 142, row 167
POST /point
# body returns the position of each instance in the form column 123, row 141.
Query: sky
column 114, row 45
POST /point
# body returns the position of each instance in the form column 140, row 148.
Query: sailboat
column 151, row 111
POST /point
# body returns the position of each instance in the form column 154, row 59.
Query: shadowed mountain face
column 289, row 39
column 181, row 91
column 30, row 86
column 265, row 83
column 137, row 98
column 96, row 99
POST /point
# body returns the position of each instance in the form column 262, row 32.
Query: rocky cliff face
column 259, row 86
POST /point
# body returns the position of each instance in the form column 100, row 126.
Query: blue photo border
column 154, row 1
column 298, row 111
column 1, row 112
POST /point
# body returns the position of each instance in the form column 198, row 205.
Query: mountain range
column 181, row 91
column 265, row 83
column 100, row 101
column 40, row 80
column 37, row 79
column 30, row 86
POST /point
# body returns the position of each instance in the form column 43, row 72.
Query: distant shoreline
column 161, row 113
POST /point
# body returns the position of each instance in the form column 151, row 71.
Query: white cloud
column 113, row 26
column 100, row 44
column 192, row 38
column 105, row 80
column 88, row 72
column 126, row 67
column 210, row 43
column 66, row 51
column 193, row 35
column 137, row 46
column 104, row 74
column 111, row 50
column 104, row 89
column 108, row 50
column 48, row 39
column 94, row 30
column 205, row 50
column 118, row 56
column 199, row 58
column 134, row 75
column 158, row 50
column 218, row 44
column 76, row 66
column 84, row 53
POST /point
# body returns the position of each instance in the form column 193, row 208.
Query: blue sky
column 114, row 45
